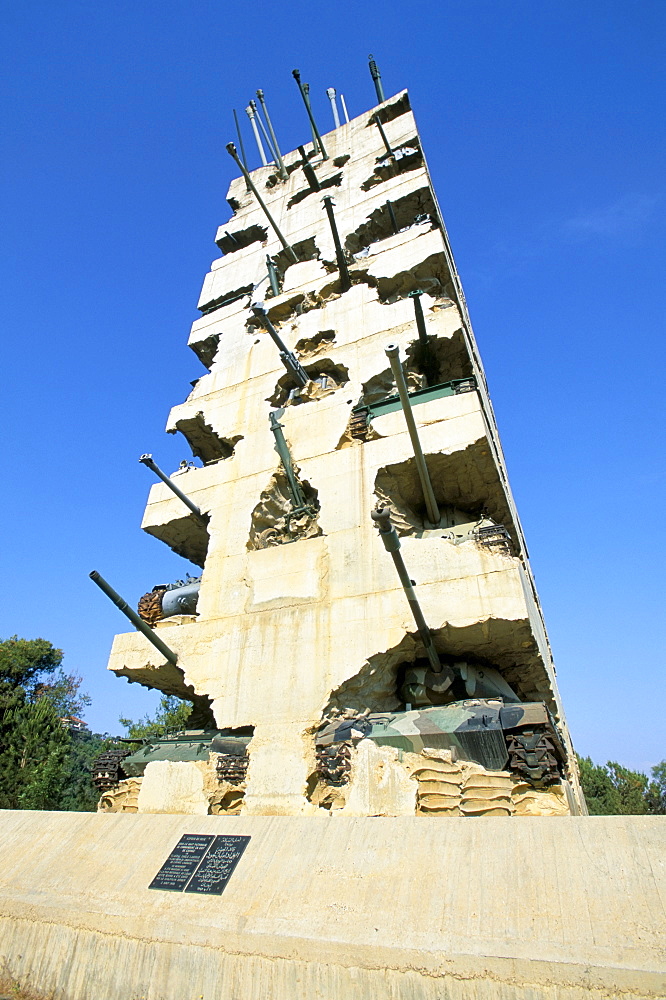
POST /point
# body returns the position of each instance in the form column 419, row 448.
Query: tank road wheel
column 107, row 769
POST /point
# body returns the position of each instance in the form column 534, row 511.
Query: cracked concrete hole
column 406, row 157
column 443, row 359
column 379, row 225
column 311, row 346
column 226, row 299
column 205, row 443
column 325, row 377
column 241, row 238
column 276, row 520
column 304, row 250
column 495, row 644
column 390, row 111
column 187, row 536
column 334, row 181
column 466, row 479
column 431, row 276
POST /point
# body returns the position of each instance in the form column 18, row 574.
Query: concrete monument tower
column 344, row 379
column 364, row 650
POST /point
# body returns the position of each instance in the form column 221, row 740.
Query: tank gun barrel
column 389, row 536
column 288, row 359
column 285, row 457
column 345, row 280
column 393, row 354
column 147, row 460
column 231, row 150
column 315, row 131
column 377, row 78
column 129, row 612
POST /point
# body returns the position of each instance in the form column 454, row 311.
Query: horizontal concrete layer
column 334, row 908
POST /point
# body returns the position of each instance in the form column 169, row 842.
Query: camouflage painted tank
column 520, row 736
column 184, row 745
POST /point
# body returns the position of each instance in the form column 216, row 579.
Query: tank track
column 107, row 769
column 334, row 763
column 232, row 768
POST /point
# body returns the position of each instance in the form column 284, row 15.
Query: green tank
column 183, row 745
column 520, row 737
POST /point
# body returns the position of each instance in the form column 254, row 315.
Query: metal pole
column 280, row 162
column 344, row 108
column 394, row 221
column 389, row 536
column 273, row 276
column 240, row 143
column 147, row 460
column 309, row 170
column 383, row 135
column 377, row 77
column 330, row 93
column 249, row 111
column 393, row 354
column 138, row 623
column 265, row 134
column 345, row 280
column 297, row 77
column 420, row 318
column 231, row 150
column 285, row 457
column 289, row 360
column 313, row 131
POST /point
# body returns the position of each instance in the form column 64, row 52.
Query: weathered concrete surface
column 339, row 909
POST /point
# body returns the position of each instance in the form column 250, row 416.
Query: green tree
column 612, row 789
column 42, row 764
column 173, row 713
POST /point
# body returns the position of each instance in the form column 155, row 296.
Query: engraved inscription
column 182, row 863
column 218, row 865
column 200, row 863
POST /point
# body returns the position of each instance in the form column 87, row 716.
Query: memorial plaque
column 200, row 862
column 217, row 866
column 182, row 863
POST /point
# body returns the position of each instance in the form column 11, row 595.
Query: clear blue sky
column 543, row 126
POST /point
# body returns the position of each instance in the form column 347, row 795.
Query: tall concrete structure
column 301, row 617
column 346, row 889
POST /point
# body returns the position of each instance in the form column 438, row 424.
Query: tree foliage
column 614, row 790
column 42, row 764
column 172, row 713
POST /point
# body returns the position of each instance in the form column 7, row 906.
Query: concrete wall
column 281, row 629
column 338, row 909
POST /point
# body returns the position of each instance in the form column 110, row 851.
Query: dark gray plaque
column 200, row 862
column 217, row 866
column 182, row 863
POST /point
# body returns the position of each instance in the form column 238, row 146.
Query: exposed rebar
column 344, row 108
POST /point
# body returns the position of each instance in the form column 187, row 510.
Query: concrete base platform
column 407, row 908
